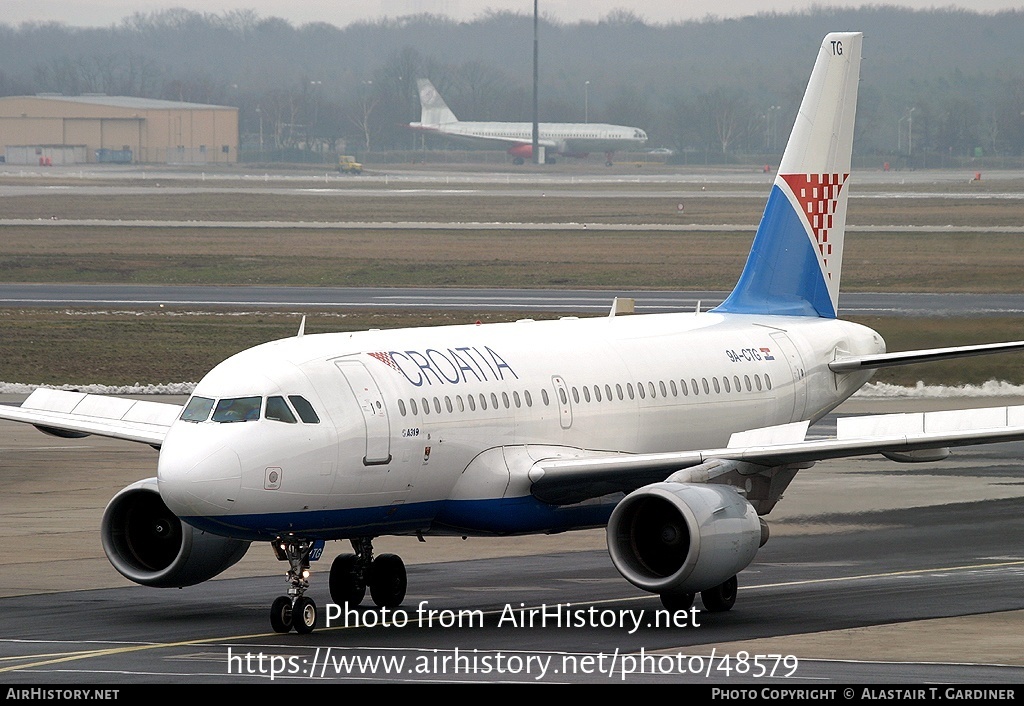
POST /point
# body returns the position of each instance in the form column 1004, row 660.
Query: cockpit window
column 238, row 409
column 305, row 409
column 278, row 411
column 197, row 409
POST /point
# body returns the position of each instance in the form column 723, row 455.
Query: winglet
column 796, row 259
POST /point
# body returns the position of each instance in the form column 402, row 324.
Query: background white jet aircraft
column 535, row 426
column 568, row 139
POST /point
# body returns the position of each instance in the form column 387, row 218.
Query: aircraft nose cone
column 198, row 480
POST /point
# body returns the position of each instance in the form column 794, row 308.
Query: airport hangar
column 54, row 129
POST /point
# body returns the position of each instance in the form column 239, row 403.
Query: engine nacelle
column 682, row 537
column 524, row 151
column 149, row 545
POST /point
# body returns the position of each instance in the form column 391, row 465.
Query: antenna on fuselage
column 302, row 327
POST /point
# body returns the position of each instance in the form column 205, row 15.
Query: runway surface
column 410, row 298
column 875, row 573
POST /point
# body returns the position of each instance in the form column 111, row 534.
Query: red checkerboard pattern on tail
column 818, row 195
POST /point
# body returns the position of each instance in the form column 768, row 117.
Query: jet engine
column 678, row 538
column 149, row 545
column 523, row 151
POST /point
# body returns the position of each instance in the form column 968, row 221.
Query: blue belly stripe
column 504, row 516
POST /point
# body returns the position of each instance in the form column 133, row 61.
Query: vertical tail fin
column 796, row 259
column 433, row 109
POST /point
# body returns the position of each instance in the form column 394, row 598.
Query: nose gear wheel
column 294, row 610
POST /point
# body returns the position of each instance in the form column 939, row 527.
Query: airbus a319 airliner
column 677, row 432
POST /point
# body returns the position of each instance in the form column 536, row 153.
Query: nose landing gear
column 351, row 575
column 294, row 610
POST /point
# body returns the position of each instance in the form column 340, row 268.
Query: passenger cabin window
column 304, row 408
column 197, row 409
column 277, row 411
column 238, row 409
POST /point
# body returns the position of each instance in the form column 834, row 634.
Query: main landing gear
column 716, row 600
column 351, row 575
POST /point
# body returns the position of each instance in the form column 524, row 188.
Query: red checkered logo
column 818, row 195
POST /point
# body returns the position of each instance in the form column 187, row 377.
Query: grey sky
column 343, row 12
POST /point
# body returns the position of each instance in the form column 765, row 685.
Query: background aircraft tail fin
column 796, row 259
column 433, row 109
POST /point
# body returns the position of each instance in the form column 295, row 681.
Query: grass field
column 152, row 346
column 124, row 347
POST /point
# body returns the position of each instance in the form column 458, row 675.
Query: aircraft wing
column 513, row 141
column 921, row 436
column 76, row 414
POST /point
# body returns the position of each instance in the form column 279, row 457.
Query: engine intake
column 681, row 537
column 149, row 545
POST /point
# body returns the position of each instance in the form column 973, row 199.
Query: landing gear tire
column 518, row 161
column 720, row 598
column 304, row 615
column 608, row 163
column 387, row 581
column 281, row 614
column 677, row 601
column 346, row 582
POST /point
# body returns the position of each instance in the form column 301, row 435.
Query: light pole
column 586, row 101
column 259, row 112
column 910, row 131
column 535, row 142
column 773, row 125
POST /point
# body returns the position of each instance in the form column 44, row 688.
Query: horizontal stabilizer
column 889, row 360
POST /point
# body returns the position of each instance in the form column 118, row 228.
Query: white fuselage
column 435, row 429
column 564, row 138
